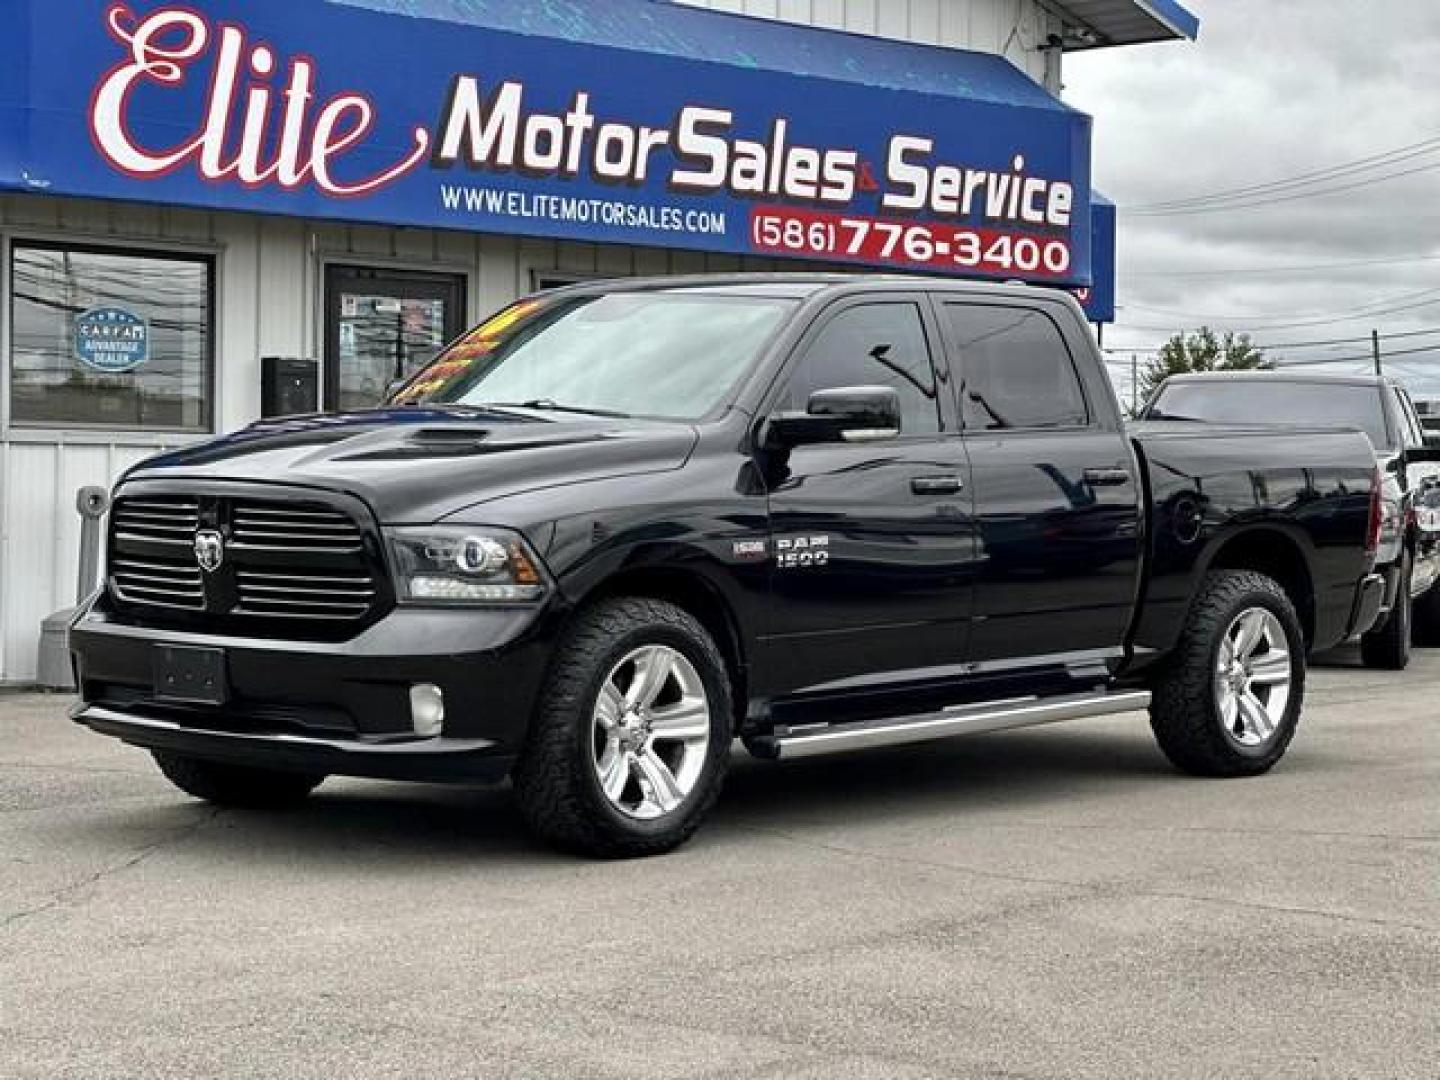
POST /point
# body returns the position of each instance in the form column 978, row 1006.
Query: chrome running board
column 815, row 739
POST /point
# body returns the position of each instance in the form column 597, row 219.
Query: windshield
column 1254, row 401
column 664, row 354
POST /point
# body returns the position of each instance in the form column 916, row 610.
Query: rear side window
column 880, row 344
column 1014, row 368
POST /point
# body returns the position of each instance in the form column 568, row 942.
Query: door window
column 1015, row 369
column 382, row 326
column 880, row 344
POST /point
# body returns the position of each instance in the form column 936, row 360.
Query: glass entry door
column 382, row 326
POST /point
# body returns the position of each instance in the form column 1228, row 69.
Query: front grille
column 303, row 562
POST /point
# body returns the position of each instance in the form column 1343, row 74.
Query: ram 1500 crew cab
column 616, row 527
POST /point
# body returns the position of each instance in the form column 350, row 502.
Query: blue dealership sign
column 111, row 339
column 631, row 121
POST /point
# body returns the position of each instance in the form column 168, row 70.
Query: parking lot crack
column 1092, row 888
column 67, row 892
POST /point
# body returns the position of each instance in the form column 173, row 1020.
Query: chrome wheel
column 651, row 732
column 1252, row 677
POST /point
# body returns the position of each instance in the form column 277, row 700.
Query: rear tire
column 1229, row 703
column 1387, row 647
column 630, row 741
column 236, row 785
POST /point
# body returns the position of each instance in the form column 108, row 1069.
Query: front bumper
column 436, row 760
column 329, row 707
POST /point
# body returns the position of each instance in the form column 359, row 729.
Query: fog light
column 427, row 709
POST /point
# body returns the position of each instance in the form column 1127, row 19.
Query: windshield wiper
column 550, row 405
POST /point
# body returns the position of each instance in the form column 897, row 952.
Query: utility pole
column 1375, row 347
column 1134, row 384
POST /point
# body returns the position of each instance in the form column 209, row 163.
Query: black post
column 1375, row 345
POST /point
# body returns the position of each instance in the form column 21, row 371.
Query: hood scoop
column 452, row 441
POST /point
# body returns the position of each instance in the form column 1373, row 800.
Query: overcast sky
column 1274, row 90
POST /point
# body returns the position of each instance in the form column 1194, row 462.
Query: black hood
column 417, row 465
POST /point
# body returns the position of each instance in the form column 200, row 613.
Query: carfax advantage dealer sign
column 334, row 110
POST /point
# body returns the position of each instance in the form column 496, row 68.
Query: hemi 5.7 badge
column 750, row 550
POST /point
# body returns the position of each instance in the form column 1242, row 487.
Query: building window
column 110, row 339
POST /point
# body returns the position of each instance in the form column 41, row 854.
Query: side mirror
column 853, row 414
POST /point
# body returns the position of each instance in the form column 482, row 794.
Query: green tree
column 1203, row 350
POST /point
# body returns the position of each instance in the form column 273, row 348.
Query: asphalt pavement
column 1049, row 903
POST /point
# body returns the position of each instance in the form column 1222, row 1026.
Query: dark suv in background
column 1407, row 454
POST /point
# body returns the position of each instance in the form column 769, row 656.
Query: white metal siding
column 1015, row 29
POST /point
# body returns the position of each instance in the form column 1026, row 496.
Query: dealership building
column 218, row 210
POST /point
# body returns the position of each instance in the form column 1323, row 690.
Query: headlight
column 445, row 564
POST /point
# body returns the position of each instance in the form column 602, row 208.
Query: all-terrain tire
column 236, row 785
column 1387, row 647
column 1185, row 711
column 556, row 785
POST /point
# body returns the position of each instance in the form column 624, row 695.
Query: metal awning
column 1099, row 24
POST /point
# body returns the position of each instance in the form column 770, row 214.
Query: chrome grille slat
column 284, row 603
column 126, row 576
column 290, row 614
column 126, row 565
column 304, row 579
column 151, row 597
column 290, row 514
column 295, row 590
column 176, row 541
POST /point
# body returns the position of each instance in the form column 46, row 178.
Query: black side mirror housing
column 843, row 414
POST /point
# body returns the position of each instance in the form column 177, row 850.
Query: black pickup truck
column 616, row 527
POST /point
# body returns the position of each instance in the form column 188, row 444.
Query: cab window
column 881, row 344
column 1014, row 369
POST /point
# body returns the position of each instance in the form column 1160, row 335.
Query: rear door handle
column 937, row 485
column 1107, row 477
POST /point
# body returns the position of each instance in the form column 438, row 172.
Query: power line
column 1266, row 271
column 1300, row 325
column 1374, row 161
column 1292, row 344
column 1401, row 302
column 1273, row 200
column 1365, row 358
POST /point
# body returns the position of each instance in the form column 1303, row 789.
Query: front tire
column 1230, row 701
column 630, row 740
column 1388, row 647
column 236, row 785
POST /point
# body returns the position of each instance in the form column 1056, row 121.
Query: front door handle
column 937, row 485
column 1107, row 477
